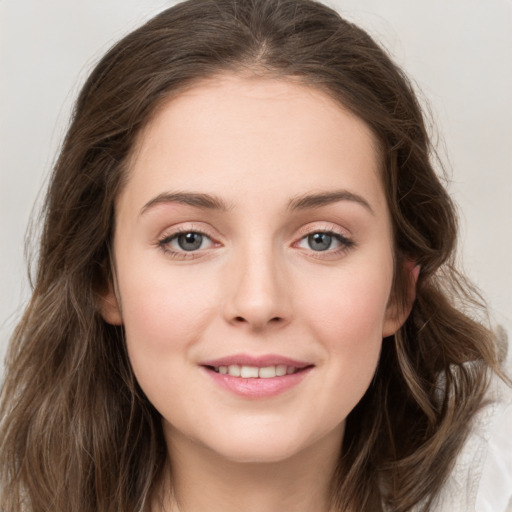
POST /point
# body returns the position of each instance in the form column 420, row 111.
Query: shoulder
column 481, row 480
column 495, row 484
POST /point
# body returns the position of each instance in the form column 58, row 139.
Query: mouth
column 256, row 372
column 257, row 377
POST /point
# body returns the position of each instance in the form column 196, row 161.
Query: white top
column 481, row 480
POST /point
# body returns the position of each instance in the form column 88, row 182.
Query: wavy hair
column 77, row 433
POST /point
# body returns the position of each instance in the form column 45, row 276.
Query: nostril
column 274, row 320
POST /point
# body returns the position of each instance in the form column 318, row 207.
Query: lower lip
column 256, row 387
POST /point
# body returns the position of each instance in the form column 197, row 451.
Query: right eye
column 189, row 241
column 181, row 243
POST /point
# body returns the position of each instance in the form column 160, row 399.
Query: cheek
column 164, row 316
column 349, row 306
column 163, row 313
column 347, row 319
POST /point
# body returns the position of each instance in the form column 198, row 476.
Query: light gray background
column 458, row 51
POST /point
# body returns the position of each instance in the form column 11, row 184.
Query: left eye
column 322, row 241
column 190, row 241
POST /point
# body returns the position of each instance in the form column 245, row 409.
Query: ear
column 109, row 307
column 397, row 311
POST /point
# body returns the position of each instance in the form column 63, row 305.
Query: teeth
column 234, row 370
column 281, row 370
column 253, row 372
column 268, row 372
column 247, row 372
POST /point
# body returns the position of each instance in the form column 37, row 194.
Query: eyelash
column 345, row 243
column 164, row 242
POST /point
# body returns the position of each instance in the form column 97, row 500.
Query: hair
column 77, row 432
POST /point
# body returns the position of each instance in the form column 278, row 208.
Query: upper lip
column 259, row 361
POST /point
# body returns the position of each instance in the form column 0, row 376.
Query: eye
column 322, row 241
column 185, row 242
column 189, row 241
column 319, row 241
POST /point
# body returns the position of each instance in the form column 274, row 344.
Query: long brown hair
column 77, row 433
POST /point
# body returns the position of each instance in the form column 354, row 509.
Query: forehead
column 264, row 133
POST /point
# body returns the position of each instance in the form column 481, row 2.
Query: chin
column 262, row 444
column 258, row 451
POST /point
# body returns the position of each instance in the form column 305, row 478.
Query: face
column 254, row 264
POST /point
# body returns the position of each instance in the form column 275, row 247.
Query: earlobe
column 398, row 311
column 108, row 304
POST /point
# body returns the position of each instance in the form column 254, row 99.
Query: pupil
column 319, row 241
column 190, row 241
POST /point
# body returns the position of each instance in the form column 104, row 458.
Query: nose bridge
column 258, row 294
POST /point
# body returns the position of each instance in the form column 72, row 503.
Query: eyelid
column 342, row 236
column 171, row 233
column 323, row 227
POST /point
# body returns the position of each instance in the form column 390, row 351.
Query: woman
column 245, row 296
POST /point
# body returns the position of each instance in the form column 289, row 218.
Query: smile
column 255, row 372
column 257, row 377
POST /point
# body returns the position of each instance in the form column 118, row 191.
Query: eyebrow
column 325, row 198
column 211, row 202
column 203, row 201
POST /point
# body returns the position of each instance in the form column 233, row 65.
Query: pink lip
column 257, row 387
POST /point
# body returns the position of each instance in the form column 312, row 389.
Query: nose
column 258, row 293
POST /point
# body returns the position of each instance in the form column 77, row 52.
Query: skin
column 255, row 286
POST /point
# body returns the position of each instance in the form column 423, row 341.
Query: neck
column 203, row 480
